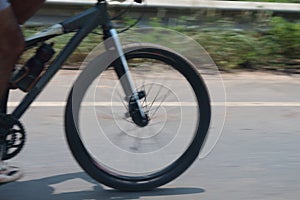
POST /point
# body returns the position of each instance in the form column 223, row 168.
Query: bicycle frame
column 83, row 24
column 156, row 111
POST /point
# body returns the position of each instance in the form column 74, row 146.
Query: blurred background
column 267, row 32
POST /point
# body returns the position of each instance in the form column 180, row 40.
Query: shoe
column 10, row 174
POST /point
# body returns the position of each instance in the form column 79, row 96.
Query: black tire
column 124, row 182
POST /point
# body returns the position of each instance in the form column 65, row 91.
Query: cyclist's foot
column 9, row 174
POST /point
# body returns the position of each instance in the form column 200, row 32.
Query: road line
column 167, row 104
column 262, row 104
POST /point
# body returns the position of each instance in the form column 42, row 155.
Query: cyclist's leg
column 24, row 9
column 11, row 38
column 11, row 46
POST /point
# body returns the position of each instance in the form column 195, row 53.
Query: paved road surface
column 257, row 156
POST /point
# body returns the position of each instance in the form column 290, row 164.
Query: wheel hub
column 135, row 112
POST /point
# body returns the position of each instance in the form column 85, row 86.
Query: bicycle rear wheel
column 107, row 143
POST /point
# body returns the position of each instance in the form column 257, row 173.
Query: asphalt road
column 256, row 157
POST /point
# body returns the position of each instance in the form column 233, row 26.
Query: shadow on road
column 45, row 189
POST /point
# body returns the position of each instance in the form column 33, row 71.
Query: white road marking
column 167, row 104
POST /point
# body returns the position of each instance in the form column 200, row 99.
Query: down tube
column 53, row 69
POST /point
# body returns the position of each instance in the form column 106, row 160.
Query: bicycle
column 132, row 111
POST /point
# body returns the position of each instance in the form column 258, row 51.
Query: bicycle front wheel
column 108, row 144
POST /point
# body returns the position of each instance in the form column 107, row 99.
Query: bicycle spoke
column 122, row 100
column 163, row 100
column 156, row 96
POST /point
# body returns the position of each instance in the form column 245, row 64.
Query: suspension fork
column 136, row 110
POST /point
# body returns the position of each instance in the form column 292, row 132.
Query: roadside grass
column 276, row 46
